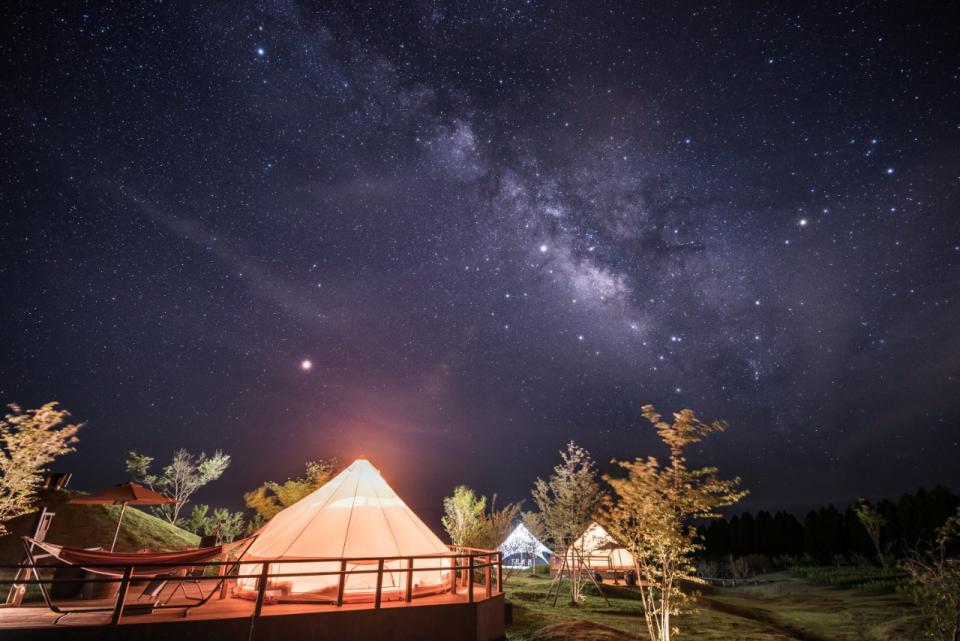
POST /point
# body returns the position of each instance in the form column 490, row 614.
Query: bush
column 868, row 578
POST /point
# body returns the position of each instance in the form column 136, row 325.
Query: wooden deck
column 475, row 614
column 37, row 615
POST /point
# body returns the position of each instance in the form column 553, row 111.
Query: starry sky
column 490, row 228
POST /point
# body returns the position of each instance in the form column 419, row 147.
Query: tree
column 873, row 523
column 463, row 516
column 533, row 521
column 496, row 525
column 654, row 510
column 222, row 523
column 255, row 523
column 271, row 497
column 568, row 501
column 180, row 479
column 198, row 520
column 227, row 526
column 29, row 441
column 935, row 577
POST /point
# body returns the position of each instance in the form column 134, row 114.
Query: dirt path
column 761, row 616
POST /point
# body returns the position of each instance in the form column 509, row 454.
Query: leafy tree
column 568, row 501
column 654, row 510
column 198, row 520
column 227, row 526
column 827, row 532
column 180, row 479
column 533, row 521
column 496, row 525
column 463, row 516
column 935, row 576
column 272, row 497
column 255, row 523
column 873, row 523
column 469, row 524
column 29, row 441
column 823, row 533
column 222, row 523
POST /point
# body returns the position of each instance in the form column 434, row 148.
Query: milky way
column 453, row 238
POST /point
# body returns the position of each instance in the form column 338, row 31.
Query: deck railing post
column 261, row 589
column 410, row 579
column 222, row 572
column 121, row 595
column 342, row 584
column 376, row 603
column 470, row 579
column 488, row 576
column 456, row 575
column 499, row 572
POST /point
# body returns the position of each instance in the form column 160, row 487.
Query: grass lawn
column 783, row 609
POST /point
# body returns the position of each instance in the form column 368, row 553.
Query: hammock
column 148, row 565
column 112, row 564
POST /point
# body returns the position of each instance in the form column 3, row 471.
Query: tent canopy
column 356, row 515
column 521, row 545
column 600, row 551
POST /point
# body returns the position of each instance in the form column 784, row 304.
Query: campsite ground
column 781, row 608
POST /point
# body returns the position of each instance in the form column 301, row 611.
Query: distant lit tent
column 597, row 550
column 522, row 549
column 355, row 515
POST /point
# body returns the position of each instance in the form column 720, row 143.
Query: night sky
column 490, row 228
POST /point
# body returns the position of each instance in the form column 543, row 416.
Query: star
column 445, row 186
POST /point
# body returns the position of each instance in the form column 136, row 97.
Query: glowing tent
column 522, row 549
column 357, row 516
column 598, row 550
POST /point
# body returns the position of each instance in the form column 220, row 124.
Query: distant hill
column 93, row 525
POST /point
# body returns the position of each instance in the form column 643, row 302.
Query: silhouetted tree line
column 827, row 533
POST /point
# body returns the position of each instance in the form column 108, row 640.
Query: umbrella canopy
column 123, row 495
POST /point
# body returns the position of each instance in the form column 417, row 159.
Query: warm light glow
column 306, row 365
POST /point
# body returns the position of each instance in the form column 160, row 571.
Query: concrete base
column 480, row 621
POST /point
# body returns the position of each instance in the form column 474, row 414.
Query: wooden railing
column 462, row 565
column 599, row 562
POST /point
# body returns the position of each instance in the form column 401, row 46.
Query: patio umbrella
column 123, row 495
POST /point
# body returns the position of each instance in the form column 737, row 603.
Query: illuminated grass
column 784, row 608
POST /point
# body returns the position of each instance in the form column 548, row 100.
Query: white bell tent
column 521, row 549
column 356, row 515
column 598, row 550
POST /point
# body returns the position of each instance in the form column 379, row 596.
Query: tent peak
column 363, row 466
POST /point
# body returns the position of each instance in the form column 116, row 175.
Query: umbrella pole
column 123, row 506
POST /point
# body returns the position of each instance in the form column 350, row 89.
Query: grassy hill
column 93, row 525
column 784, row 608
